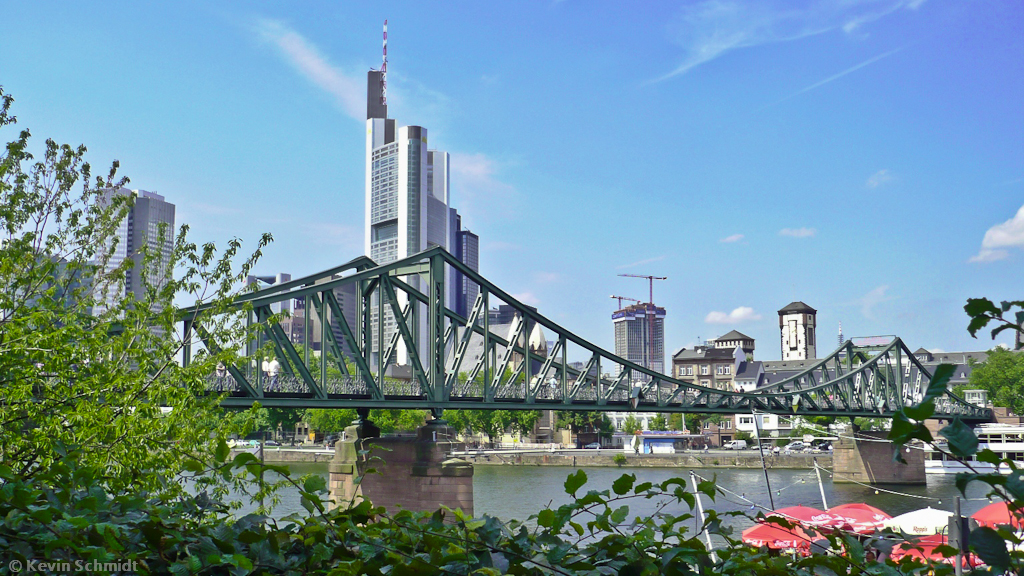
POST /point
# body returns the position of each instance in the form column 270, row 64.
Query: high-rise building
column 632, row 334
column 407, row 201
column 797, row 322
column 466, row 247
column 149, row 224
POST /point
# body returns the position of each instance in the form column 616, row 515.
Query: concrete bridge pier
column 869, row 460
column 412, row 473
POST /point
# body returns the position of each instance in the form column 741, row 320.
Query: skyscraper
column 148, row 224
column 466, row 247
column 632, row 332
column 407, row 200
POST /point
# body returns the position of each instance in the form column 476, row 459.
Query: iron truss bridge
column 382, row 337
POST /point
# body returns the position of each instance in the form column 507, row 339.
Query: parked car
column 593, row 446
column 797, row 446
column 271, row 443
column 735, row 445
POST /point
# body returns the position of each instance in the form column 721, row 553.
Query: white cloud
column 1009, row 234
column 527, row 298
column 733, row 238
column 878, row 178
column 640, row 262
column 737, row 316
column 798, row 232
column 478, row 192
column 869, row 301
column 713, row 28
column 349, row 92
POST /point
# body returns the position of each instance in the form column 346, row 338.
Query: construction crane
column 621, row 298
column 650, row 314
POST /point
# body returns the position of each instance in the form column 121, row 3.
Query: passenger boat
column 1006, row 440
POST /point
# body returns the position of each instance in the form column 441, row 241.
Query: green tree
column 631, row 425
column 523, row 421
column 81, row 373
column 677, row 421
column 659, row 422
column 743, row 435
column 1002, row 375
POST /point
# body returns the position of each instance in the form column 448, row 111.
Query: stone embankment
column 278, row 454
column 597, row 458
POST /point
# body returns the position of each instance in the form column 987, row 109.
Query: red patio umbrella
column 776, row 537
column 924, row 549
column 798, row 513
column 859, row 517
column 997, row 514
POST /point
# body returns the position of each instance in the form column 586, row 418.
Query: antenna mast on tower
column 384, row 69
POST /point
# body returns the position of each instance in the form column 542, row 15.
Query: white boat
column 1006, row 440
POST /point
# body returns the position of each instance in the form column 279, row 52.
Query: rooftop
column 734, row 335
column 799, row 307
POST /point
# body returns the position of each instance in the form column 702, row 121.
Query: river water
column 516, row 492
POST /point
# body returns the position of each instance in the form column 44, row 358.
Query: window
column 746, row 419
column 689, row 370
column 704, row 370
column 728, row 369
column 725, row 425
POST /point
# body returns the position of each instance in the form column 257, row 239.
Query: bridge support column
column 870, row 460
column 412, row 473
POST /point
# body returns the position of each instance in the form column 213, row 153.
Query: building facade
column 635, row 325
column 709, row 367
column 798, row 322
column 148, row 226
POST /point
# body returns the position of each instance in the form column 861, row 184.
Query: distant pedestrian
column 275, row 372
column 222, row 373
column 265, row 368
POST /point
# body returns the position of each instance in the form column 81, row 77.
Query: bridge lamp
column 635, row 397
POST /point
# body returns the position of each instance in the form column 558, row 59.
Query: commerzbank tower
column 408, row 204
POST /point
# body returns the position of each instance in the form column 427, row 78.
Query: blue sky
column 865, row 157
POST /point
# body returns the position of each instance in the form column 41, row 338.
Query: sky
column 865, row 157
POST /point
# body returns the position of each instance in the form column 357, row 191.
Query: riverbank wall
column 279, row 454
column 679, row 460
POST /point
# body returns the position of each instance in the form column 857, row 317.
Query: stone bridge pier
column 411, row 473
column 869, row 459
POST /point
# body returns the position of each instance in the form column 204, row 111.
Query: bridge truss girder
column 441, row 376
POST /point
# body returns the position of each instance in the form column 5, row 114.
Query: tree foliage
column 76, row 370
column 659, row 422
column 1002, row 375
column 631, row 425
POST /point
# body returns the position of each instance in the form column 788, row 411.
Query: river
column 515, row 492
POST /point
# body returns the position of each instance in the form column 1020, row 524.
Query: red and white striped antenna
column 384, row 69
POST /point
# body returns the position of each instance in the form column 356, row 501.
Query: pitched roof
column 734, row 335
column 705, row 353
column 797, row 307
column 749, row 370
